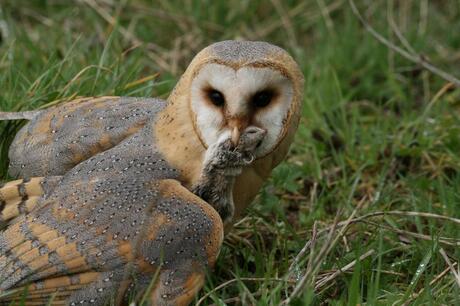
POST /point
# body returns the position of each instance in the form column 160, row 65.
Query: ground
column 368, row 198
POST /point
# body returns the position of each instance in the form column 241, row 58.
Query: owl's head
column 236, row 84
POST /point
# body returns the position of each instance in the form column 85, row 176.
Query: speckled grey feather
column 73, row 132
column 245, row 51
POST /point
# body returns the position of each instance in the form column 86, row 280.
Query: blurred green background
column 378, row 141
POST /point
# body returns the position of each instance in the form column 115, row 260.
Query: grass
column 375, row 163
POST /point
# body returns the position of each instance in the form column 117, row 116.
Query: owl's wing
column 58, row 138
column 90, row 241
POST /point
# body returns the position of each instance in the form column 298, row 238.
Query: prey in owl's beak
column 238, row 126
column 222, row 164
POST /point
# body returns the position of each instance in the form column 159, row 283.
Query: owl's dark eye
column 262, row 98
column 216, row 97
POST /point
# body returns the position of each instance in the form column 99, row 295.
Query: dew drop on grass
column 420, row 269
column 298, row 273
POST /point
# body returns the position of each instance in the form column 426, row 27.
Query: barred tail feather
column 21, row 196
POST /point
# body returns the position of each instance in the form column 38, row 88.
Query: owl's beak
column 237, row 126
column 235, row 135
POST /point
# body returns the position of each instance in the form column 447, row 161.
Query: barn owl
column 126, row 188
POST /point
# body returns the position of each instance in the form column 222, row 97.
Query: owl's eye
column 262, row 98
column 216, row 97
